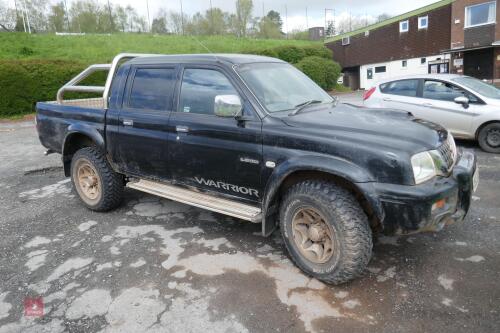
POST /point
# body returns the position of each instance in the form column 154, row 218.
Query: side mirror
column 227, row 105
column 462, row 100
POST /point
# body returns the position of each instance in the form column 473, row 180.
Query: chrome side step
column 201, row 200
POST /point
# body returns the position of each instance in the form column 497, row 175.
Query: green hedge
column 25, row 82
column 322, row 71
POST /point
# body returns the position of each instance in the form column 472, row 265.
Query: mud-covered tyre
column 95, row 182
column 489, row 138
column 326, row 231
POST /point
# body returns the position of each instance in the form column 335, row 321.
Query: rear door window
column 401, row 88
column 152, row 89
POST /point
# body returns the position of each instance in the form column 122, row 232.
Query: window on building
column 401, row 88
column 423, row 22
column 484, row 13
column 199, row 88
column 404, row 26
column 346, row 41
column 404, row 63
column 152, row 89
column 423, row 60
column 380, row 69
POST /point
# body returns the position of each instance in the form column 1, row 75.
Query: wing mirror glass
column 227, row 105
column 462, row 100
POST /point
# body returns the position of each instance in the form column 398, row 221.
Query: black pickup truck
column 254, row 138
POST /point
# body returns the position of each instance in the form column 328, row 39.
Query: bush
column 318, row 51
column 290, row 53
column 322, row 71
column 25, row 82
column 265, row 52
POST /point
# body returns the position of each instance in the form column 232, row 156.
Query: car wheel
column 326, row 231
column 489, row 138
column 97, row 185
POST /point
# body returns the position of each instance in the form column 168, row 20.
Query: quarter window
column 152, row 89
column 199, row 88
column 443, row 91
column 484, row 13
column 401, row 88
column 423, row 22
column 404, row 26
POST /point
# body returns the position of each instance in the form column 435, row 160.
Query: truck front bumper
column 432, row 205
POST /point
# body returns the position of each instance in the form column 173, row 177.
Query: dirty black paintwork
column 371, row 150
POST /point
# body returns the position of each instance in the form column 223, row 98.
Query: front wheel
column 97, row 185
column 325, row 231
column 489, row 138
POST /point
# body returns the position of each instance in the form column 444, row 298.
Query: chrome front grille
column 448, row 151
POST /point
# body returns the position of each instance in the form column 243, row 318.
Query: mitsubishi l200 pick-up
column 254, row 138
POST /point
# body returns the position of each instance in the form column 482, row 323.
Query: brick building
column 447, row 36
column 475, row 39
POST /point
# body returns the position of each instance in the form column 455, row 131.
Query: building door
column 479, row 64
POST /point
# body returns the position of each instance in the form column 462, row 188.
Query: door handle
column 128, row 122
column 427, row 104
column 386, row 99
column 182, row 129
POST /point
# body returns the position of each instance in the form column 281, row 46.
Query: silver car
column 467, row 107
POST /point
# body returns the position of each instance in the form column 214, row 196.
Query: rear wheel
column 489, row 138
column 326, row 231
column 97, row 185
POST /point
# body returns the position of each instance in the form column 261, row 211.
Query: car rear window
column 401, row 87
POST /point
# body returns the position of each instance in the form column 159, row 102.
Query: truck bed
column 54, row 120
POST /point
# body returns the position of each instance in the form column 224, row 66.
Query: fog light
column 439, row 204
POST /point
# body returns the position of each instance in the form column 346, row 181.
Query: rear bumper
column 429, row 206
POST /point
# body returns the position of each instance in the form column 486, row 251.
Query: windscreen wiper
column 302, row 106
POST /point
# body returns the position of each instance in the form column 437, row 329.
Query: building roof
column 391, row 20
column 209, row 57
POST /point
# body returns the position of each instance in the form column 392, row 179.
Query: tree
column 177, row 22
column 275, row 17
column 159, row 25
column 243, row 14
column 57, row 17
column 383, row 17
column 269, row 29
column 121, row 18
column 8, row 20
column 37, row 10
column 330, row 29
column 84, row 16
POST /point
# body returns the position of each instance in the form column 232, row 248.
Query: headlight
column 423, row 167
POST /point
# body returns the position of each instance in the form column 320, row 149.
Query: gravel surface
column 158, row 266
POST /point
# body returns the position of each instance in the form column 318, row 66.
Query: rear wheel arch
column 73, row 142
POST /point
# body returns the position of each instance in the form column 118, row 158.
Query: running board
column 198, row 199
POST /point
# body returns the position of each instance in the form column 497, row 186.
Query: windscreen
column 281, row 87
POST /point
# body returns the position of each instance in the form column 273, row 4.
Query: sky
column 295, row 17
column 295, row 9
